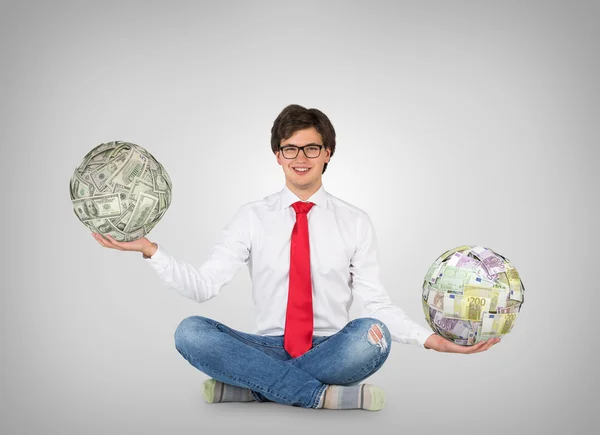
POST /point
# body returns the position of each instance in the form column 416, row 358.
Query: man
column 309, row 254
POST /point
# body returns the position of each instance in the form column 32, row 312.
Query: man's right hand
column 142, row 244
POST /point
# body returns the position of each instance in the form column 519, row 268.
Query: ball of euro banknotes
column 471, row 294
column 120, row 189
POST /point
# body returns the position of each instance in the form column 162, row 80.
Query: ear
column 278, row 155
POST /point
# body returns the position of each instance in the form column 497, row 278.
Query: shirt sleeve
column 376, row 303
column 202, row 283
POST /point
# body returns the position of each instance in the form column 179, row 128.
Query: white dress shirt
column 344, row 264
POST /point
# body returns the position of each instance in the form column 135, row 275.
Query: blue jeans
column 261, row 363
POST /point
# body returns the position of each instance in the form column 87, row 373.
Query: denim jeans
column 261, row 364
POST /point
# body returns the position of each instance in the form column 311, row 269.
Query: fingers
column 479, row 347
column 100, row 239
column 491, row 342
column 475, row 348
column 449, row 346
column 483, row 345
column 107, row 241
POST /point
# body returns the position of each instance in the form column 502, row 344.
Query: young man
column 309, row 254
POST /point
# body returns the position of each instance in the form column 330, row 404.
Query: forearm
column 187, row 280
column 402, row 328
column 202, row 283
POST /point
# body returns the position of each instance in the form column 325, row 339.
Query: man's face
column 310, row 179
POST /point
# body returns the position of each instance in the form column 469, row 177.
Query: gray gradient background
column 457, row 122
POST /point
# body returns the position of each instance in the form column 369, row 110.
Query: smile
column 301, row 171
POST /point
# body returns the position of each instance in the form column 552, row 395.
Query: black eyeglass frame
column 302, row 148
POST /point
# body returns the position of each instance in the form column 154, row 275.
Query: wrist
column 149, row 250
column 431, row 342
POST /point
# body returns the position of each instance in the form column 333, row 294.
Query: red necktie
column 299, row 315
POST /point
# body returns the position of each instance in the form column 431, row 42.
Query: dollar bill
column 119, row 148
column 159, row 181
column 132, row 169
column 165, row 175
column 99, row 150
column 123, row 192
column 80, row 188
column 96, row 207
column 142, row 212
column 146, row 176
column 100, row 155
column 164, row 201
column 148, row 226
column 138, row 186
column 124, row 218
column 101, row 176
column 106, row 227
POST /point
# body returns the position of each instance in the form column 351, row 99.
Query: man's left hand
column 439, row 343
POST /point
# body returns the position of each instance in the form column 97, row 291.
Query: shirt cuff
column 421, row 334
column 159, row 260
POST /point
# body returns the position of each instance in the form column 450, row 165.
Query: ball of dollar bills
column 120, row 189
column 471, row 294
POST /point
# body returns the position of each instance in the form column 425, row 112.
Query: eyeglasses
column 311, row 151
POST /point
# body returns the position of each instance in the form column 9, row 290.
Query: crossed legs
column 261, row 364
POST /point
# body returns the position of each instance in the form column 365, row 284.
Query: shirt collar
column 287, row 197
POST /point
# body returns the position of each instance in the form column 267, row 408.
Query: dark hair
column 294, row 118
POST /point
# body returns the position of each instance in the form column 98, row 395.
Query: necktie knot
column 302, row 207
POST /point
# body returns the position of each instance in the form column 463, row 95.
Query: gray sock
column 362, row 396
column 215, row 391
